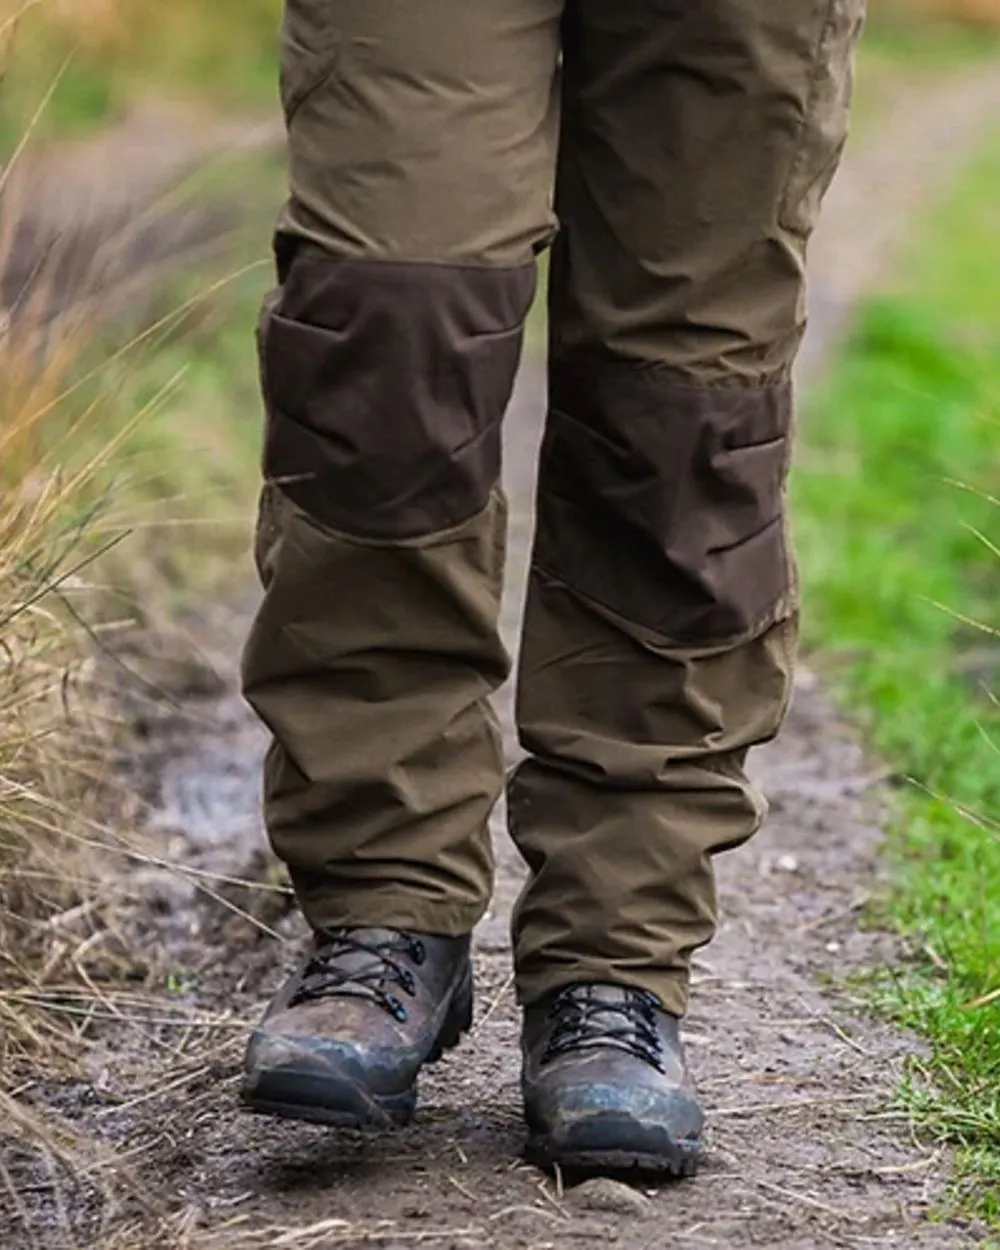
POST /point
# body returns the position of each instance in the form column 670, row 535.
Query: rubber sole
column 583, row 1163
column 340, row 1102
column 355, row 1110
column 613, row 1144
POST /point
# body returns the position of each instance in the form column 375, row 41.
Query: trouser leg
column 421, row 149
column 697, row 141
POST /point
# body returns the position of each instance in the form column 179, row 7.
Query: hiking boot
column 344, row 1039
column 606, row 1087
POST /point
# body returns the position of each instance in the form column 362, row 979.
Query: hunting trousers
column 673, row 154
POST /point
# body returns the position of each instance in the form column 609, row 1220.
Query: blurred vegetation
column 898, row 523
column 893, row 41
column 108, row 53
column 974, row 15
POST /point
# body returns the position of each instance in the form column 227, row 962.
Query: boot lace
column 325, row 976
column 584, row 1021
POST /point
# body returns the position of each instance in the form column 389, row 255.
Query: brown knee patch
column 665, row 502
column 386, row 384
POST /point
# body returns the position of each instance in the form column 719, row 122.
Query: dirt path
column 805, row 1149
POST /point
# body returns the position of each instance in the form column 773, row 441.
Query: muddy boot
column 346, row 1036
column 606, row 1087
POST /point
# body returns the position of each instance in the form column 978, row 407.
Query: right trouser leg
column 698, row 139
column 421, row 164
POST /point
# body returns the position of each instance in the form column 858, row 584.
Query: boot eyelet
column 408, row 982
column 418, row 952
column 396, row 1008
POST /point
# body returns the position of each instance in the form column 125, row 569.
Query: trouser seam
column 414, row 542
column 782, row 611
column 669, row 375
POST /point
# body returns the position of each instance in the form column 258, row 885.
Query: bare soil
column 806, row 1149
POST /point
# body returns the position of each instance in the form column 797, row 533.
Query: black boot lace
column 583, row 1020
column 325, row 976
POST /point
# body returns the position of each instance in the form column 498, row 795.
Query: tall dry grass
column 64, row 437
column 68, row 968
column 85, row 462
column 99, row 314
column 50, row 534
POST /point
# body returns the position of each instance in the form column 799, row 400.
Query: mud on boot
column 606, row 1086
column 345, row 1038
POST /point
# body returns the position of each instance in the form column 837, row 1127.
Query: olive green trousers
column 673, row 154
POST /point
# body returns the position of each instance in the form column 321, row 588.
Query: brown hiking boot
column 346, row 1036
column 606, row 1087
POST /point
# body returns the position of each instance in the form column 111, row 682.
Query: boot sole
column 339, row 1102
column 613, row 1145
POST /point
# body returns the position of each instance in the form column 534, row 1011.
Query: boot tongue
column 355, row 961
column 620, row 997
column 607, row 995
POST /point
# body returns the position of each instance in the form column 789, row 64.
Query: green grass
column 891, row 547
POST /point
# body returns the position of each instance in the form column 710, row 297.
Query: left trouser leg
column 421, row 149
column 421, row 145
column 697, row 142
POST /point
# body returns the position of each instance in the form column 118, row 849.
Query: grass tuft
column 127, row 446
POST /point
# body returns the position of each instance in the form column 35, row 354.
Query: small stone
column 786, row 863
column 833, row 948
column 605, row 1194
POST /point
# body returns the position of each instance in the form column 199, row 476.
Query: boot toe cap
column 324, row 1080
column 616, row 1126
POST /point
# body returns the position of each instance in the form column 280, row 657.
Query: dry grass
column 50, row 534
column 51, row 531
column 76, row 391
column 67, row 970
column 106, row 307
column 84, row 462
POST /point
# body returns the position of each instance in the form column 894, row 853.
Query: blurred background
column 143, row 171
column 141, row 168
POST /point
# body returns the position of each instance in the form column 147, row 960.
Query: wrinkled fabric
column 674, row 156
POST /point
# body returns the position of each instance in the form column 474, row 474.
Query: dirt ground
column 805, row 1147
